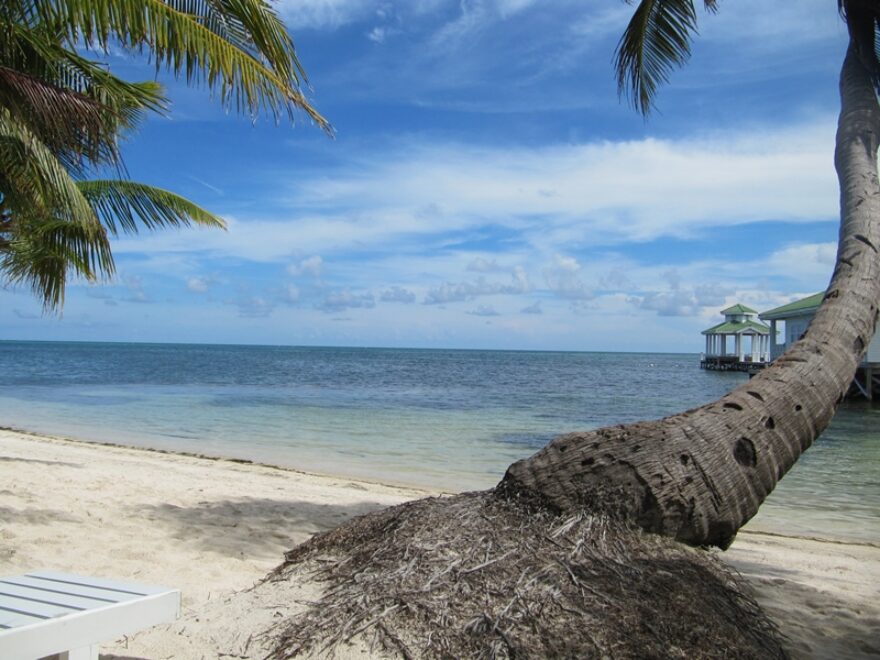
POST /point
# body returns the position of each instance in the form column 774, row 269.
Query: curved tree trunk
column 700, row 475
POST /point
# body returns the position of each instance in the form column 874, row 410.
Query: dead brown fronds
column 480, row 576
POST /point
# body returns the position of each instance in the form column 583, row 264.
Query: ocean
column 442, row 419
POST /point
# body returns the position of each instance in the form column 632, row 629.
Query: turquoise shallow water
column 441, row 419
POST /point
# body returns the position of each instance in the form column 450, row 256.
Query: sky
column 486, row 188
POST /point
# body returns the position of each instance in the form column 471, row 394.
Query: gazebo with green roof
column 739, row 322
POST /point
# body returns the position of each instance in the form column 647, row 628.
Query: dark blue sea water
column 442, row 419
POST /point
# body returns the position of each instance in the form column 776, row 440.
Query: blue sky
column 486, row 188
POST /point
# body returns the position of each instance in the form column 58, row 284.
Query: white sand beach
column 215, row 527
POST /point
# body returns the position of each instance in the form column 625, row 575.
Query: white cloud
column 804, row 261
column 533, row 309
column 291, row 294
column 311, row 266
column 136, row 292
column 323, row 14
column 254, row 307
column 600, row 191
column 562, row 279
column 338, row 301
column 507, row 8
column 449, row 292
column 197, row 284
column 398, row 294
column 379, row 34
column 482, row 265
column 683, row 301
column 565, row 264
column 521, row 282
column 805, row 21
column 603, row 193
column 483, row 310
column 615, row 280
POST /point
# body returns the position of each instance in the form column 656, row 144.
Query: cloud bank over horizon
column 473, row 203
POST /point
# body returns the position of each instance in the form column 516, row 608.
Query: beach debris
column 482, row 576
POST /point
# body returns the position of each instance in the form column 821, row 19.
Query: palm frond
column 262, row 78
column 69, row 123
column 37, row 183
column 40, row 52
column 123, row 206
column 40, row 253
column 252, row 26
column 43, row 65
column 656, row 41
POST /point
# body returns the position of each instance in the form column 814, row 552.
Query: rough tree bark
column 700, row 475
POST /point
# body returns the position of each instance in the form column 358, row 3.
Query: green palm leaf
column 656, row 41
column 52, row 88
column 62, row 116
column 70, row 124
column 251, row 26
column 35, row 182
column 40, row 253
column 123, row 206
column 265, row 77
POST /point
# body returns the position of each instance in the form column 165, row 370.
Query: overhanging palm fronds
column 50, row 87
column 656, row 41
column 63, row 115
column 249, row 60
column 36, row 181
column 71, row 124
column 40, row 253
column 124, row 205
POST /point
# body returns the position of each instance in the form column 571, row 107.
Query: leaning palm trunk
column 548, row 564
column 700, row 475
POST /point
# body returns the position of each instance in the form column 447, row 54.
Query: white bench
column 46, row 613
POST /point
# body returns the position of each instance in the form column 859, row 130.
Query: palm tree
column 700, row 475
column 63, row 115
column 548, row 563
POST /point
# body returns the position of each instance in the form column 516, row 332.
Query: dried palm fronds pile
column 479, row 576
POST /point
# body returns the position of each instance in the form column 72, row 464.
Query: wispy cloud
column 197, row 284
column 338, row 301
column 483, row 310
column 595, row 193
column 310, row 266
column 323, row 14
column 398, row 294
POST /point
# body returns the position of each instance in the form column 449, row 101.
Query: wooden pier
column 733, row 363
column 866, row 384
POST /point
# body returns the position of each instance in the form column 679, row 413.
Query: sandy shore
column 214, row 527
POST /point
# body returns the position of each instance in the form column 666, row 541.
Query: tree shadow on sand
column 17, row 459
column 34, row 516
column 255, row 528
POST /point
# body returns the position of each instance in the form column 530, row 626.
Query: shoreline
column 219, row 525
column 52, row 437
column 755, row 526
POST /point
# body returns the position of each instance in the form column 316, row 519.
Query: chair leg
column 83, row 653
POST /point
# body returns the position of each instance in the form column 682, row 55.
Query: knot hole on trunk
column 744, row 452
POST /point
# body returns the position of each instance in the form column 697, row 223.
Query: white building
column 797, row 316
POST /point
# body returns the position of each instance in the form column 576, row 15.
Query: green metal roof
column 737, row 327
column 739, row 309
column 796, row 308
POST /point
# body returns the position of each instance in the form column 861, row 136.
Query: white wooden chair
column 47, row 613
